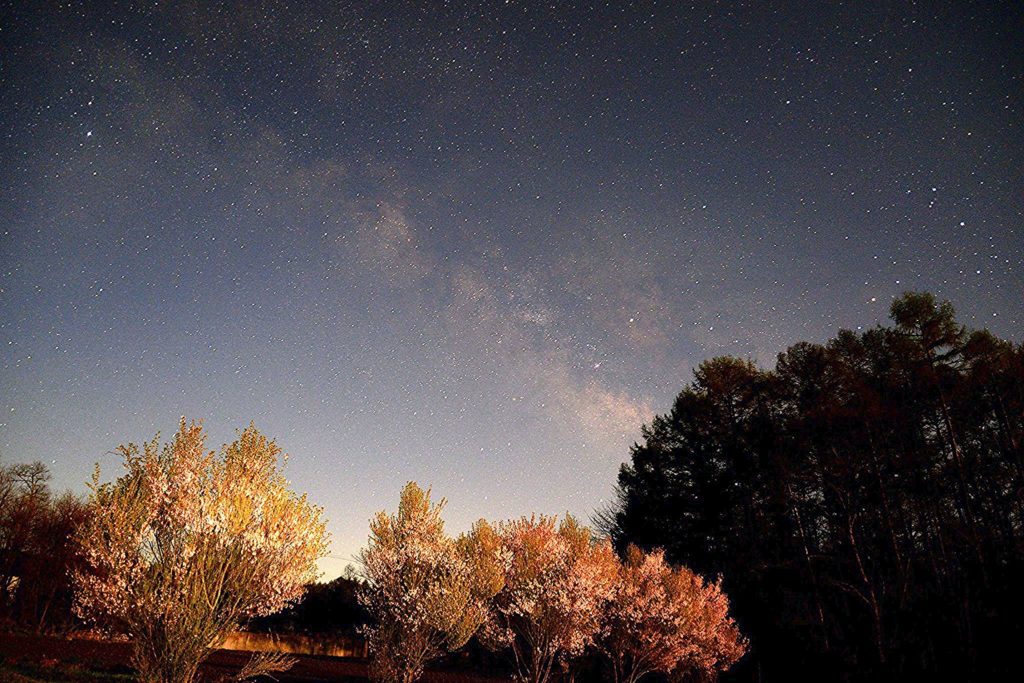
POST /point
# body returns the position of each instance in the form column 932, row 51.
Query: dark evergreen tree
column 864, row 500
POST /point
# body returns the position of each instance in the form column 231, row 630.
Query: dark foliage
column 331, row 607
column 863, row 500
column 37, row 551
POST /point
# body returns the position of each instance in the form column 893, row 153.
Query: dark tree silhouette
column 36, row 549
column 863, row 500
column 325, row 608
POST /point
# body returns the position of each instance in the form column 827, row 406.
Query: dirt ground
column 94, row 656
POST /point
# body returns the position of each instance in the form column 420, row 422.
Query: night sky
column 475, row 245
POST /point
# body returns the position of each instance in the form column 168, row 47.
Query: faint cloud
column 540, row 317
column 507, row 334
column 615, row 416
column 613, row 281
column 617, row 413
column 387, row 244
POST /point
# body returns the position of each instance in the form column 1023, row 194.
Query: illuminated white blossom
column 427, row 592
column 186, row 544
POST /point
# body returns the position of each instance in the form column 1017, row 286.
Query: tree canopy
column 187, row 544
column 863, row 499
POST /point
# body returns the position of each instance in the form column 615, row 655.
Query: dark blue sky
column 475, row 245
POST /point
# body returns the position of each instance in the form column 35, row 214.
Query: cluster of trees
column 325, row 610
column 863, row 500
column 36, row 548
column 189, row 544
column 545, row 591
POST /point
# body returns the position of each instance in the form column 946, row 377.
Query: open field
column 31, row 658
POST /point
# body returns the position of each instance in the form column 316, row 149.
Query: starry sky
column 475, row 244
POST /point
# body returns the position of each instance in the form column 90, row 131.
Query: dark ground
column 91, row 659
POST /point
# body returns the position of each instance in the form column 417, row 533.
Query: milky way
column 475, row 245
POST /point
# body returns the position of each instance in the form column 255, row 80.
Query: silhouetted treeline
column 37, row 549
column 863, row 500
column 331, row 607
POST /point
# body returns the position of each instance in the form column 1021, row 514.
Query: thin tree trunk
column 872, row 597
column 810, row 567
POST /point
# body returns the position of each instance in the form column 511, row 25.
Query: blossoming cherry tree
column 427, row 592
column 667, row 620
column 187, row 544
column 558, row 582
